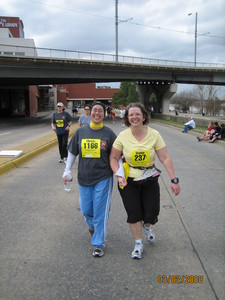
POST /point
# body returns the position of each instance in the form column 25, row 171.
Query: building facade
column 85, row 93
column 14, row 25
column 28, row 100
column 16, row 100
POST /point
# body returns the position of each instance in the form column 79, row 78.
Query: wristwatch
column 175, row 180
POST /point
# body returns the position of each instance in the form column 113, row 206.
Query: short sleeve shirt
column 61, row 121
column 139, row 154
column 84, row 121
column 93, row 148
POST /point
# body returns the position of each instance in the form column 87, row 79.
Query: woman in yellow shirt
column 140, row 191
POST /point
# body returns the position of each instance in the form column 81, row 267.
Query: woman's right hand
column 122, row 181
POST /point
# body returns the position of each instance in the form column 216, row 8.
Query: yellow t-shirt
column 139, row 154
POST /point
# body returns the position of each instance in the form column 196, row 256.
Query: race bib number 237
column 140, row 158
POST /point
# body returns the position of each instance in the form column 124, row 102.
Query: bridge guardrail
column 69, row 55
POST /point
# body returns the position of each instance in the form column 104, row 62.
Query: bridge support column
column 163, row 92
column 144, row 92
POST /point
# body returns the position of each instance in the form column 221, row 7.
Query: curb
column 17, row 162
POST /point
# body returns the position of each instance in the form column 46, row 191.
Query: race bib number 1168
column 90, row 148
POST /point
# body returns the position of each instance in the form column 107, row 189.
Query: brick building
column 81, row 94
column 28, row 100
column 14, row 25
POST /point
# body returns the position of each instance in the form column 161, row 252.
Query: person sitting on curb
column 218, row 135
column 189, row 125
column 207, row 133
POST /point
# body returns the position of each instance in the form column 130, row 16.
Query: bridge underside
column 162, row 80
column 39, row 71
column 163, row 91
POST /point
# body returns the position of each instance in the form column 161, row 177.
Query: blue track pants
column 95, row 206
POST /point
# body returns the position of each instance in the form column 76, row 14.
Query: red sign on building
column 14, row 24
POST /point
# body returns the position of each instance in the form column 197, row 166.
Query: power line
column 175, row 30
column 127, row 21
column 70, row 9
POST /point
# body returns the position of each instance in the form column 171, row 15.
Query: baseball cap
column 60, row 104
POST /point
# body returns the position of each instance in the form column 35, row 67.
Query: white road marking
column 5, row 133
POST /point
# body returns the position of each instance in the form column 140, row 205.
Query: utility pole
column 116, row 28
column 196, row 33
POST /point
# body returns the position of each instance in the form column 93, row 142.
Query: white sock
column 147, row 228
column 138, row 241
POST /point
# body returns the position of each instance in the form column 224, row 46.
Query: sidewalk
column 32, row 148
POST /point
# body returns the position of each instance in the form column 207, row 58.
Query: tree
column 184, row 100
column 153, row 97
column 207, row 94
column 213, row 107
column 202, row 96
column 126, row 95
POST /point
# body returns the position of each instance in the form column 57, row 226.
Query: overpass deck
column 52, row 66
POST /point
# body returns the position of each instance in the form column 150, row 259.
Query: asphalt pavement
column 31, row 135
column 45, row 250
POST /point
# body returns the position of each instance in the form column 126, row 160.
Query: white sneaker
column 98, row 252
column 137, row 253
column 65, row 159
column 149, row 235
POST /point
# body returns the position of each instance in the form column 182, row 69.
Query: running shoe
column 138, row 249
column 61, row 161
column 65, row 159
column 98, row 252
column 149, row 235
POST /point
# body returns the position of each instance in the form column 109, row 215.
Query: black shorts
column 141, row 201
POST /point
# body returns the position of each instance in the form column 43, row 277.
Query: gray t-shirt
column 93, row 148
column 84, row 121
column 61, row 121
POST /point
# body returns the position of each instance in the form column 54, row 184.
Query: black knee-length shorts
column 141, row 200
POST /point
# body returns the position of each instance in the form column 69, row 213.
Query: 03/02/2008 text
column 180, row 279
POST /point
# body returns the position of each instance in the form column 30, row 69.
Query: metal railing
column 70, row 55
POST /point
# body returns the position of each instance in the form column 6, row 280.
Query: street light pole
column 196, row 34
column 116, row 28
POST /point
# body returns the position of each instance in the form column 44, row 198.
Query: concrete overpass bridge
column 55, row 66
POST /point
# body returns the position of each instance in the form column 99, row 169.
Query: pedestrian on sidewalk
column 61, row 122
column 139, row 188
column 93, row 144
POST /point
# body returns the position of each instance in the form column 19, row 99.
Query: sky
column 158, row 29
